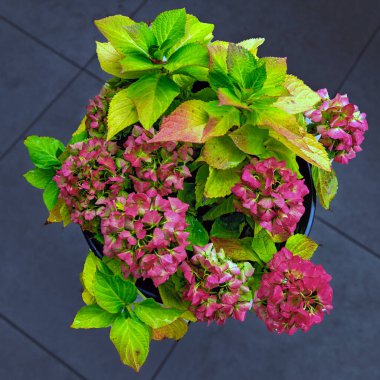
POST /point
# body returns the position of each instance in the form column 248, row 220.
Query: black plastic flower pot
column 303, row 227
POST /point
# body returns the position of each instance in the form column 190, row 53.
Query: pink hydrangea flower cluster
column 147, row 234
column 272, row 195
column 96, row 115
column 95, row 169
column 340, row 124
column 159, row 168
column 293, row 295
column 215, row 286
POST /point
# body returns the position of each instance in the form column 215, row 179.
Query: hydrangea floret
column 191, row 176
column 147, row 234
column 272, row 195
column 340, row 124
column 293, row 295
column 217, row 288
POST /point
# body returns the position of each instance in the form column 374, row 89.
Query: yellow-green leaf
column 92, row 317
column 109, row 59
column 250, row 139
column 235, row 249
column 220, row 182
column 326, row 184
column 122, row 113
column 301, row 245
column 221, row 153
column 175, row 330
column 89, row 270
column 301, row 99
column 132, row 339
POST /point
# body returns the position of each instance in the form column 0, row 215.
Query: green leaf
column 92, row 317
column 222, row 153
column 44, row 151
column 285, row 128
column 236, row 249
column 188, row 55
column 169, row 27
column 301, row 245
column 200, row 183
column 301, row 99
column 50, row 195
column 220, row 182
column 122, row 113
column 275, row 76
column 89, row 270
column 109, row 59
column 221, row 120
column 228, row 226
column 172, row 297
column 250, row 139
column 227, row 97
column 155, row 315
column 226, row 207
column 175, row 330
column 186, row 123
column 195, row 31
column 132, row 339
column 263, row 245
column 326, row 184
column 198, row 234
column 115, row 29
column 39, row 178
column 112, row 293
column 152, row 94
column 252, row 44
column 135, row 65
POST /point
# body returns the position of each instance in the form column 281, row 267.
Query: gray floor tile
column 320, row 38
column 33, row 77
column 21, row 359
column 39, row 275
column 344, row 347
column 356, row 208
column 65, row 25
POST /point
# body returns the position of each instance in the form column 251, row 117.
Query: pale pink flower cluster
column 146, row 233
column 216, row 287
column 293, row 295
column 340, row 124
column 159, row 168
column 272, row 195
column 94, row 170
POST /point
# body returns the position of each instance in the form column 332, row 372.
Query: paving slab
column 320, row 38
column 356, row 208
column 21, row 359
column 344, row 347
column 32, row 77
column 39, row 279
column 65, row 25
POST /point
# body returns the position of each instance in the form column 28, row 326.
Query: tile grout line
column 164, row 360
column 348, row 237
column 41, row 346
column 357, row 59
column 51, row 49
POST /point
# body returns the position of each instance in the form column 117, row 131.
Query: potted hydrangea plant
column 192, row 177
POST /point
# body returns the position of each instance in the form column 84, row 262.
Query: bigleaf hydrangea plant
column 185, row 170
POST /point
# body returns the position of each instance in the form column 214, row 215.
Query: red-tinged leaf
column 175, row 330
column 185, row 123
column 285, row 128
column 236, row 249
column 326, row 184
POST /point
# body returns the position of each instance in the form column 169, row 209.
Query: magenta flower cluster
column 159, row 168
column 94, row 170
column 96, row 114
column 146, row 233
column 293, row 295
column 216, row 287
column 340, row 124
column 272, row 195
